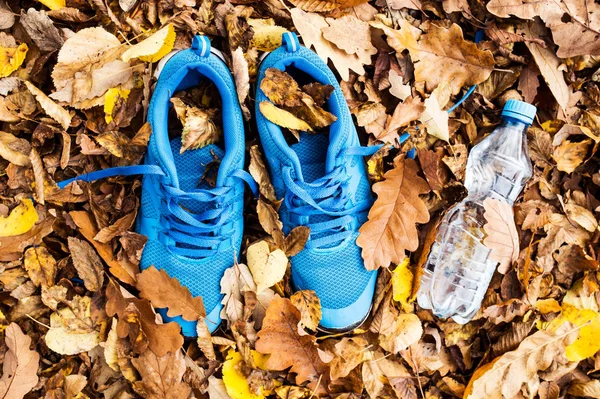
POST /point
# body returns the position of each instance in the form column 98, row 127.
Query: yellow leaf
column 587, row 343
column 402, row 279
column 282, row 117
column 548, row 305
column 267, row 35
column 236, row 383
column 54, row 4
column 268, row 268
column 11, row 59
column 20, row 220
column 110, row 100
column 154, row 47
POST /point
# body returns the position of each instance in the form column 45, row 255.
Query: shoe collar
column 174, row 72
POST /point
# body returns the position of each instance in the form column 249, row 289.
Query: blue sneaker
column 194, row 231
column 324, row 185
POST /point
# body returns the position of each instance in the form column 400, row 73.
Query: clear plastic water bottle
column 458, row 269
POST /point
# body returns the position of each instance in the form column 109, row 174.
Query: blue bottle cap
column 519, row 110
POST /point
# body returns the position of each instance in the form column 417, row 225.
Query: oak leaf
column 87, row 263
column 309, row 305
column 161, row 376
column 166, row 292
column 280, row 330
column 340, row 30
column 310, row 26
column 444, row 57
column 391, row 227
column 408, row 111
column 504, row 376
column 19, row 370
column 502, row 235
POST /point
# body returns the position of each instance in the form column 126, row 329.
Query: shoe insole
column 312, row 151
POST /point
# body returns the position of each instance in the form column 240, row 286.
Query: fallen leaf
column 569, row 155
column 282, row 117
column 216, row 389
column 397, row 208
column 241, row 76
column 53, row 4
column 53, row 110
column 154, row 47
column 20, row 364
column 589, row 388
column 529, row 82
column 259, row 172
column 166, row 292
column 41, row 266
column 267, row 35
column 72, row 330
column 161, row 377
column 402, row 282
column 435, row 118
column 11, row 59
column 341, row 29
column 41, row 30
column 87, row 263
column 280, row 331
column 199, row 129
column 14, row 150
column 119, row 227
column 309, row 305
column 110, row 100
column 535, row 353
column 325, row 5
column 87, row 227
column 443, row 56
column 548, row 64
column 502, row 236
column 236, row 383
column 267, row 267
column 20, row 220
column 406, row 330
column 505, row 312
column 88, row 66
column 408, row 111
column 310, row 26
column 7, row 17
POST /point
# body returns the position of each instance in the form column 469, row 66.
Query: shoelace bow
column 328, row 195
column 193, row 235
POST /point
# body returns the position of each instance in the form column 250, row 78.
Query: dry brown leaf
column 351, row 35
column 349, row 353
column 569, row 155
column 124, row 272
column 53, row 110
column 161, row 376
column 325, row 5
column 259, row 172
column 548, row 64
column 39, row 175
column 408, row 111
column 87, row 263
column 280, row 330
column 589, row 389
column 504, row 376
column 20, row 364
column 310, row 26
column 41, row 30
column 296, row 240
column 502, row 236
column 242, row 78
column 307, row 302
column 391, row 228
column 406, row 330
column 443, row 57
column 199, row 128
column 505, row 312
column 41, row 266
column 166, row 292
column 119, row 227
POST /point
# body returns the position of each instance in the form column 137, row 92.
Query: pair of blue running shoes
column 195, row 231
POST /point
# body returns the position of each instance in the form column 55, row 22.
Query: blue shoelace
column 193, row 235
column 327, row 195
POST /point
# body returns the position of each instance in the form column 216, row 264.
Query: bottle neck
column 513, row 123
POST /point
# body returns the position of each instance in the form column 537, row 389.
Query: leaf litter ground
column 77, row 318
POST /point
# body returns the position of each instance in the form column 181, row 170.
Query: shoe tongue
column 192, row 164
